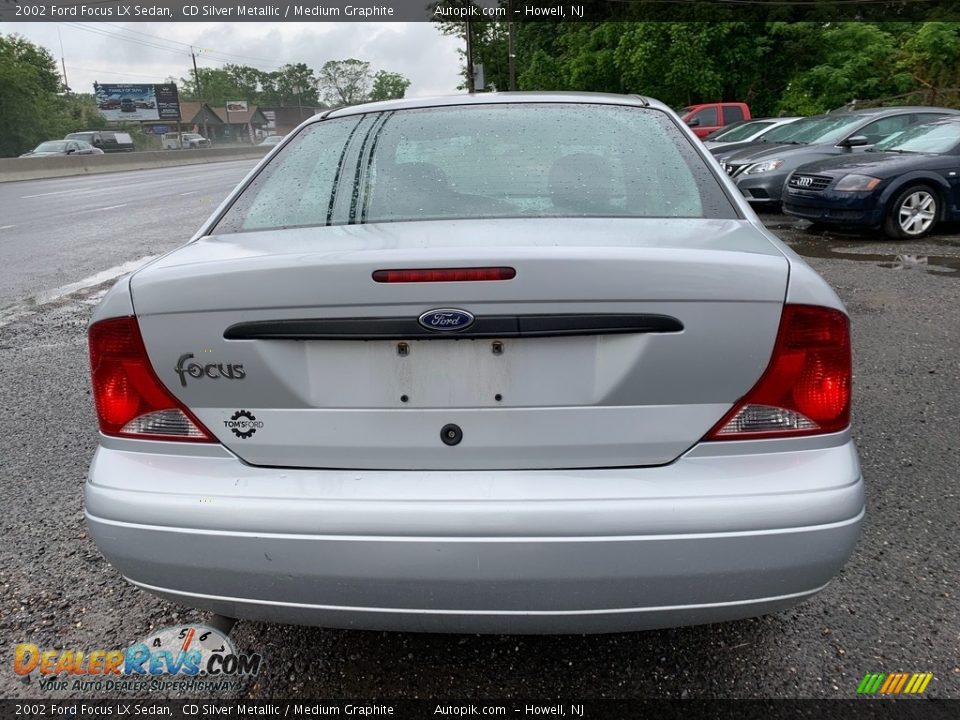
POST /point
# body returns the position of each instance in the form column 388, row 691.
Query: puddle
column 930, row 264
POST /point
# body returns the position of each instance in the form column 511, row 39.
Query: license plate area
column 455, row 373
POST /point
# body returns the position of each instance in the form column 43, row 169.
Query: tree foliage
column 338, row 82
column 33, row 106
column 388, row 86
column 290, row 85
column 345, row 82
column 778, row 66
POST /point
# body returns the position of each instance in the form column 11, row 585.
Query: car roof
column 493, row 98
column 862, row 112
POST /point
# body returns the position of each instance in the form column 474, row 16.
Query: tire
column 913, row 213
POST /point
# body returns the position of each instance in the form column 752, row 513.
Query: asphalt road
column 894, row 608
column 58, row 231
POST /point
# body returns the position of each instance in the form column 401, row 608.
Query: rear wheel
column 913, row 213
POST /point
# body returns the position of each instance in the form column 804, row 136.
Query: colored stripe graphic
column 870, row 683
column 920, row 682
column 894, row 683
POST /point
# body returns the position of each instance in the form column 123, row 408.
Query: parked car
column 63, row 147
column 190, row 141
column 781, row 135
column 745, row 132
column 109, row 104
column 272, row 140
column 106, row 140
column 906, row 185
column 760, row 170
column 128, row 104
column 488, row 373
column 707, row 118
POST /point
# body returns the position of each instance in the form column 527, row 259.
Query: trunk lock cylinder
column 451, row 434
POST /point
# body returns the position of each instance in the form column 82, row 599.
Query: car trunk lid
column 617, row 343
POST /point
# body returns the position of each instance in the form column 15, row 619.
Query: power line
column 110, row 72
column 115, row 36
column 187, row 51
column 188, row 45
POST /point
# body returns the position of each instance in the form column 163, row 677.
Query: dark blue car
column 905, row 184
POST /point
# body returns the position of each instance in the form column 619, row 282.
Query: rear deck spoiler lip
column 490, row 326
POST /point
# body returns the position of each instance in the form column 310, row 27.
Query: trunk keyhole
column 451, row 434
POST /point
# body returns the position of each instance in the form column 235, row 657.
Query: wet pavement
column 937, row 254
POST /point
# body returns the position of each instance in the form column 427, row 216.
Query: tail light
column 130, row 399
column 805, row 389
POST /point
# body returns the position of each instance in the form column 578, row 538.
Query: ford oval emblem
column 446, row 320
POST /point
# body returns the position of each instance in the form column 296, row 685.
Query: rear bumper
column 707, row 538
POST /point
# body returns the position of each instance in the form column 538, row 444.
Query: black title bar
column 194, row 709
column 478, row 10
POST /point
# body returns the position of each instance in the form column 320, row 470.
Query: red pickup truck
column 704, row 118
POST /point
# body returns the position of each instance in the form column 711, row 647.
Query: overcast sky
column 94, row 51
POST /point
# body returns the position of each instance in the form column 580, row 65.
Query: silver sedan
column 497, row 363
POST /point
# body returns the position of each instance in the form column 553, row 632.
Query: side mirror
column 855, row 141
column 693, row 122
column 71, row 151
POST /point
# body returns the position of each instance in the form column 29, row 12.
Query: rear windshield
column 489, row 161
column 51, row 146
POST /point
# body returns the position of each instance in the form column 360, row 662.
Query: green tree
column 296, row 83
column 931, row 59
column 856, row 61
column 30, row 109
column 388, row 86
column 344, row 82
column 241, row 82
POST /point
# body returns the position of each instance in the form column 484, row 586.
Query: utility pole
column 63, row 64
column 470, row 84
column 203, row 102
column 297, row 90
column 511, row 48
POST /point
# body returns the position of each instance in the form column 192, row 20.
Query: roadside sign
column 126, row 102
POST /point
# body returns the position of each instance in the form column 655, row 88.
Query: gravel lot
column 895, row 607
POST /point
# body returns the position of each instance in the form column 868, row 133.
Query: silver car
column 494, row 363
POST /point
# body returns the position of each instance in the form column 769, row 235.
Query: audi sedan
column 455, row 365
column 907, row 185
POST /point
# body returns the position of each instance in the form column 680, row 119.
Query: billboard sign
column 122, row 102
column 236, row 105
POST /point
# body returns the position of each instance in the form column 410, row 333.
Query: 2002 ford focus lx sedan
column 499, row 363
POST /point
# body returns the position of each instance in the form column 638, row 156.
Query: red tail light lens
column 130, row 399
column 806, row 388
column 474, row 274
